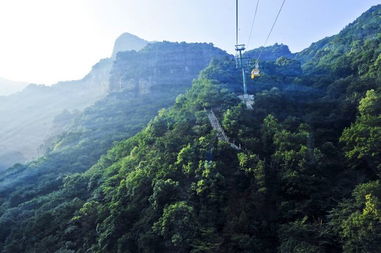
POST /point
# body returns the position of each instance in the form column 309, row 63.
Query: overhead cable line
column 236, row 23
column 271, row 30
column 252, row 24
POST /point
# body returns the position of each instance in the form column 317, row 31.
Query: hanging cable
column 252, row 24
column 236, row 22
column 271, row 30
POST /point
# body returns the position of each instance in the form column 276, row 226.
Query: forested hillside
column 306, row 178
column 30, row 118
column 119, row 115
column 27, row 117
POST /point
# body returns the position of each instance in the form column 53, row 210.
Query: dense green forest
column 306, row 179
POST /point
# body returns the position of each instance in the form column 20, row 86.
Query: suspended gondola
column 255, row 72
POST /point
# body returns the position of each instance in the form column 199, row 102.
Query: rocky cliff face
column 127, row 42
column 151, row 81
column 160, row 66
column 27, row 119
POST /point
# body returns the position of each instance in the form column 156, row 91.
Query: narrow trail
column 220, row 131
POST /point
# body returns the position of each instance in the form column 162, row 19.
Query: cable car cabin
column 255, row 73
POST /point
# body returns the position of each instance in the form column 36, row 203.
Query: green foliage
column 358, row 221
column 301, row 236
column 304, row 180
column 177, row 225
column 363, row 138
column 270, row 53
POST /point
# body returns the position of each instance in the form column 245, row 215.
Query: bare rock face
column 28, row 118
column 145, row 86
column 161, row 66
column 128, row 42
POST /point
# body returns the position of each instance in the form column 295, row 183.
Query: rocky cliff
column 127, row 42
column 161, row 66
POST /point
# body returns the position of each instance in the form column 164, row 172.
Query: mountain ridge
column 8, row 87
column 128, row 42
column 305, row 180
column 45, row 103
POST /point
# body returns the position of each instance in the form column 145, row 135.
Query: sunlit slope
column 123, row 112
column 354, row 51
column 306, row 178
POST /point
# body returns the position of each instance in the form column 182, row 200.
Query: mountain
column 122, row 113
column 270, row 53
column 9, row 87
column 128, row 42
column 117, row 116
column 358, row 39
column 27, row 118
column 298, row 173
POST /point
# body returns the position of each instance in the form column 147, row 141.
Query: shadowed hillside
column 306, row 177
column 27, row 118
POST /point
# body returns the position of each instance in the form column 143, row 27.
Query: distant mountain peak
column 128, row 42
column 270, row 53
column 8, row 87
column 364, row 28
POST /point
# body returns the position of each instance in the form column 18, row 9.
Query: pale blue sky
column 46, row 41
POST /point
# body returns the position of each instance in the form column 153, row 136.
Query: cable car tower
column 240, row 48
